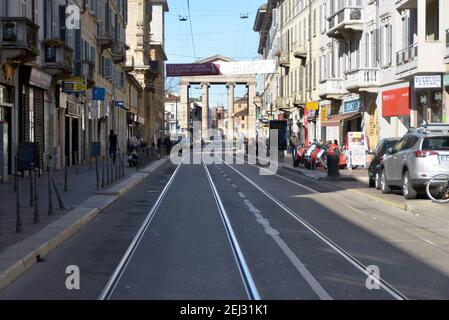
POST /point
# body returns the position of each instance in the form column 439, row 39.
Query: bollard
column 58, row 195
column 19, row 228
column 36, row 198
column 50, row 196
column 108, row 177
column 97, row 172
column 77, row 163
column 66, row 186
column 102, row 173
column 31, row 185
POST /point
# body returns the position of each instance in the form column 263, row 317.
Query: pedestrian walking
column 113, row 141
column 294, row 143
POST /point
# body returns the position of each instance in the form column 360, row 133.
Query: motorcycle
column 321, row 159
column 300, row 156
column 310, row 156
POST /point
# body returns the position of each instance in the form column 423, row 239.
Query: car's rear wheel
column 407, row 188
column 384, row 187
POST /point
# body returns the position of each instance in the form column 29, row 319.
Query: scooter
column 300, row 156
column 310, row 156
column 321, row 159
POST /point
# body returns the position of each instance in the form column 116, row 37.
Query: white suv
column 419, row 156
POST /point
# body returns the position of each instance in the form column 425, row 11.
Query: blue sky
column 217, row 29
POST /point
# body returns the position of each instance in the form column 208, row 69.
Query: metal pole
column 36, row 198
column 50, row 196
column 31, row 184
column 19, row 228
column 15, row 176
column 102, row 174
column 58, row 195
column 77, row 159
column 66, row 187
column 108, row 178
column 97, row 172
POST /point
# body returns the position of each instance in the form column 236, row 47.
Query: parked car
column 378, row 155
column 420, row 155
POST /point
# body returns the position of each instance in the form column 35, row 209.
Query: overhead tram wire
column 191, row 30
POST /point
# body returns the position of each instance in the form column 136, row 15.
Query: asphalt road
column 242, row 235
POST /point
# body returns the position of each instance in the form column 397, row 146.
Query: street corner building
column 72, row 71
column 377, row 67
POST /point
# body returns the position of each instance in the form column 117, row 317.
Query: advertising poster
column 357, row 146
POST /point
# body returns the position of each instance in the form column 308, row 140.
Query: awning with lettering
column 336, row 119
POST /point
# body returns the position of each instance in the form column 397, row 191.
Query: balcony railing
column 58, row 57
column 299, row 51
column 346, row 19
column 361, row 78
column 407, row 55
column 332, row 87
column 284, row 59
column 18, row 38
column 105, row 37
column 118, row 52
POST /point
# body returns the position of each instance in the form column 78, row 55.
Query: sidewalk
column 357, row 181
column 83, row 201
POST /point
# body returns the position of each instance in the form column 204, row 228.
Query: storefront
column 428, row 100
column 31, row 124
column 6, row 143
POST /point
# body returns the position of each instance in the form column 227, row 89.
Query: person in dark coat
column 113, row 141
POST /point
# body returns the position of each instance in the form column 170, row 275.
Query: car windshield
column 387, row 145
column 436, row 143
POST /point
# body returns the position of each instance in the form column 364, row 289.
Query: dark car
column 379, row 152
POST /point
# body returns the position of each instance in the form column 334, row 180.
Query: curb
column 19, row 258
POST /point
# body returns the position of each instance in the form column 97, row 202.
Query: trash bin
column 333, row 166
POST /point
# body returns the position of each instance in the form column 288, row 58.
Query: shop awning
column 337, row 119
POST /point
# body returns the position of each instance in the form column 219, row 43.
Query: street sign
column 119, row 104
column 98, row 94
column 74, row 85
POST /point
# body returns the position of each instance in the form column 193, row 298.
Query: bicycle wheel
column 438, row 188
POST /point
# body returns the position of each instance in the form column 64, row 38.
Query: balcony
column 363, row 79
column 297, row 99
column 405, row 4
column 332, row 88
column 299, row 51
column 280, row 103
column 58, row 57
column 18, row 39
column 409, row 63
column 130, row 63
column 118, row 53
column 104, row 38
column 284, row 60
column 88, row 71
column 346, row 21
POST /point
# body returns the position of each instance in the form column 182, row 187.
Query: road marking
column 386, row 286
column 241, row 195
column 234, row 186
column 121, row 267
column 300, row 267
column 247, row 278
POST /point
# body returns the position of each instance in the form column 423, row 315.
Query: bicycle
column 438, row 188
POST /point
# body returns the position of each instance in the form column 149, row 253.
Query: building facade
column 376, row 66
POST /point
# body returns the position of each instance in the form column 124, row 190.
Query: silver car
column 420, row 155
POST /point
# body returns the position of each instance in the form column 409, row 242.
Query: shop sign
column 311, row 114
column 427, row 82
column 73, row 109
column 74, row 85
column 40, row 79
column 324, row 113
column 396, row 102
column 312, row 105
column 446, row 80
column 352, row 106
